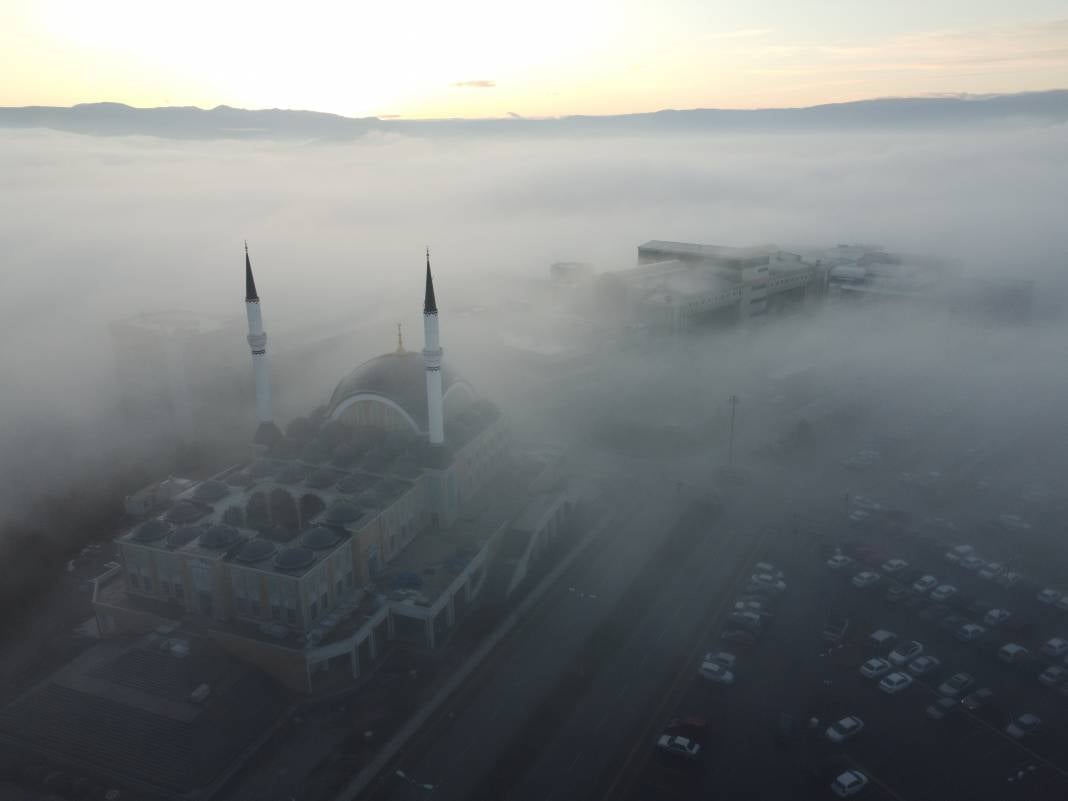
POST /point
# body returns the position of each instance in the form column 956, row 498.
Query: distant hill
column 224, row 122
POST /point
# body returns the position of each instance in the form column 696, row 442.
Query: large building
column 677, row 285
column 364, row 522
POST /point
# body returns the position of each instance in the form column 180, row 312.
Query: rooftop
column 124, row 709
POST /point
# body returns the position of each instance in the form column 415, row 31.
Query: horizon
column 470, row 61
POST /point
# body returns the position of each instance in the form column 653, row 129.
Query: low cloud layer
column 92, row 230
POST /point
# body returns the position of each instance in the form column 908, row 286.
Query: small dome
column 183, row 535
column 293, row 559
column 256, row 551
column 321, row 478
column 218, row 537
column 186, row 512
column 343, row 512
column 151, row 531
column 211, row 490
column 291, row 474
column 320, row 538
column 239, row 479
column 351, row 485
column 262, row 469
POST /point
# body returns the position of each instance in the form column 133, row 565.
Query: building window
column 291, row 615
column 148, row 584
column 276, row 612
column 254, row 605
column 313, row 610
column 165, row 587
column 134, row 580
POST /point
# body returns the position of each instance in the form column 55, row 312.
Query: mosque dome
column 218, row 537
column 256, row 551
column 341, row 512
column 183, row 535
column 294, row 559
column 396, row 382
column 151, row 531
column 186, row 512
column 320, row 538
column 211, row 490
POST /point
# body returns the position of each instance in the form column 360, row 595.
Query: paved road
column 458, row 750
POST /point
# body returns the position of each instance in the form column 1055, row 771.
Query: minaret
column 266, row 432
column 432, row 361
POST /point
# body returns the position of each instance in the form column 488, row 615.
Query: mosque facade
column 291, row 560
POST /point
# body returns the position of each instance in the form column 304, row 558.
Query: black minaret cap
column 250, row 282
column 430, row 304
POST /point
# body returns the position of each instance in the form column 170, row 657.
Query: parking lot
column 765, row 732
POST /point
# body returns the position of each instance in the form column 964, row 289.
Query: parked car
column 838, row 561
column 715, row 672
column 1023, row 725
column 844, row 729
column 724, row 658
column 972, row 562
column 1009, row 579
column 1053, row 676
column 1055, row 646
column 895, row 683
column 1048, row 596
column 975, row 701
column 766, row 568
column 923, row 665
column 746, row 620
column 942, row 708
column 896, row 593
column 969, row 632
column 1062, row 603
column 767, row 581
column 677, row 745
column 958, row 552
column 875, row 667
column 924, row 583
column 1012, row 652
column 905, row 652
column 849, row 783
column 865, row 579
column 995, row 617
column 882, row 639
column 991, row 571
column 943, row 592
column 891, row 566
column 956, row 685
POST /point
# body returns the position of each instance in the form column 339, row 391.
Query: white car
column 678, row 746
column 1053, row 676
column 958, row 552
column 969, row 632
column 924, row 583
column 769, row 569
column 715, row 672
column 865, row 579
column 905, row 652
column 859, row 516
column 992, row 570
column 943, row 592
column 1012, row 652
column 895, row 683
column 1010, row 579
column 892, row 566
column 924, row 665
column 995, row 617
column 875, row 667
column 838, row 561
column 1022, row 725
column 1014, row 522
column 849, row 783
column 844, row 729
column 1055, row 646
column 867, row 504
column 1048, row 596
column 972, row 562
column 1062, row 604
column 768, row 581
column 723, row 658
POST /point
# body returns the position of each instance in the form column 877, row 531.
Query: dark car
column 978, row 699
column 694, row 728
column 942, row 709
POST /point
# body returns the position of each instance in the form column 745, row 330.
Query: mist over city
column 667, row 404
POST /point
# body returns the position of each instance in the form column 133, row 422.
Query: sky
column 484, row 58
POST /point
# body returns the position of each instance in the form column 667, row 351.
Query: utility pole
column 733, row 400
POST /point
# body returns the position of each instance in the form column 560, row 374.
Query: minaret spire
column 400, row 340
column 266, row 432
column 432, row 362
column 430, row 304
column 250, row 282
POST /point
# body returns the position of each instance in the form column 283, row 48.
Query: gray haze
column 94, row 229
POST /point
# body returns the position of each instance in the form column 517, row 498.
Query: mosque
column 372, row 519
